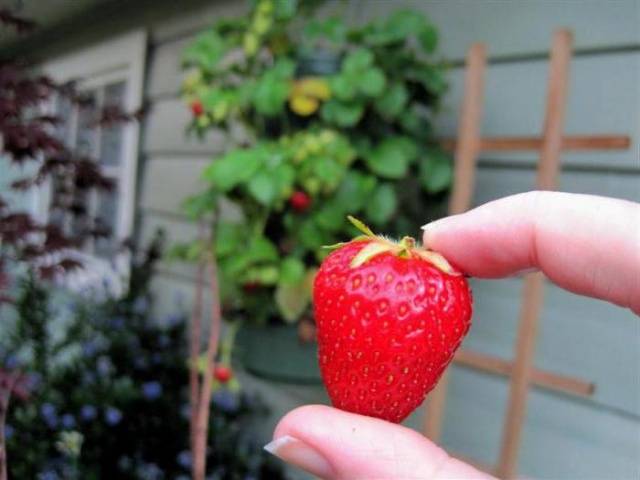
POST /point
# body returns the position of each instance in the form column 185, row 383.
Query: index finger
column 586, row 244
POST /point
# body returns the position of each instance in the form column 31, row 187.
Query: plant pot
column 319, row 63
column 276, row 353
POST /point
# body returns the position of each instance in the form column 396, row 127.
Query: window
column 109, row 74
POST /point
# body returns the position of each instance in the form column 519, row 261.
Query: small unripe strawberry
column 300, row 201
column 222, row 373
column 197, row 108
column 251, row 287
column 390, row 317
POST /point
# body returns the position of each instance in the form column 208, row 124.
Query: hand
column 588, row 245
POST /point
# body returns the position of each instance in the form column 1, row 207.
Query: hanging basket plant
column 322, row 120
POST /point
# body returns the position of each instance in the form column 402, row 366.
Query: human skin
column 585, row 244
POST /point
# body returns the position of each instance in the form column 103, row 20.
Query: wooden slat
column 569, row 143
column 539, row 378
column 464, row 181
column 548, row 169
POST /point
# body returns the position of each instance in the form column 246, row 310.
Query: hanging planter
column 276, row 353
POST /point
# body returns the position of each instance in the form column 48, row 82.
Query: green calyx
column 407, row 248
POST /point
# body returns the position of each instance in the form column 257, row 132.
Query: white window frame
column 119, row 58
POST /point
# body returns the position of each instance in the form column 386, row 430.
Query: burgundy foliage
column 28, row 136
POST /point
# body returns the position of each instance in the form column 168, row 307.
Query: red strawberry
column 390, row 317
column 300, row 201
column 197, row 108
column 222, row 373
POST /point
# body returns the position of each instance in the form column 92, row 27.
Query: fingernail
column 431, row 226
column 298, row 453
column 429, row 229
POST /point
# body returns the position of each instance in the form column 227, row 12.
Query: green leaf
column 382, row 204
column 372, row 82
column 284, row 176
column 285, row 9
column 332, row 29
column 292, row 271
column 292, row 301
column 358, row 60
column 393, row 100
column 263, row 275
column 391, row 157
column 435, row 172
column 327, row 170
column 354, row 190
column 229, row 237
column 433, row 79
column 205, row 51
column 398, row 27
column 260, row 249
column 343, row 87
column 234, row 168
column 263, row 187
column 197, row 205
column 311, row 236
column 428, row 37
column 272, row 89
column 331, row 216
column 342, row 114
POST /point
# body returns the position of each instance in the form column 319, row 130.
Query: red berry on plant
column 222, row 373
column 251, row 287
column 197, row 108
column 300, row 201
column 390, row 316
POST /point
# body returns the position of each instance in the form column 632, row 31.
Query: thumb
column 333, row 444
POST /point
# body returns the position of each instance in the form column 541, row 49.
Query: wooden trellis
column 521, row 372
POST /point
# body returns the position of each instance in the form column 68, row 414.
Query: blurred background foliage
column 322, row 120
column 105, row 391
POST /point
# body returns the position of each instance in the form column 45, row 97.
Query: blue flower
column 8, row 431
column 112, row 416
column 150, row 471
column 226, row 401
column 88, row 378
column 151, row 390
column 184, row 459
column 68, row 421
column 50, row 415
column 11, row 361
column 141, row 363
column 90, row 348
column 116, row 323
column 88, row 412
column 173, row 320
column 140, row 305
column 104, row 366
column 48, row 475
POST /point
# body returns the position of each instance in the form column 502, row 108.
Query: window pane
column 106, row 216
column 87, row 134
column 111, row 139
column 57, row 213
column 64, row 112
column 81, row 212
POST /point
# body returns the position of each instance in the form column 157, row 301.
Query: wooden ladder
column 521, row 372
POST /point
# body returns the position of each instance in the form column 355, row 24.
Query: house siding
column 564, row 437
